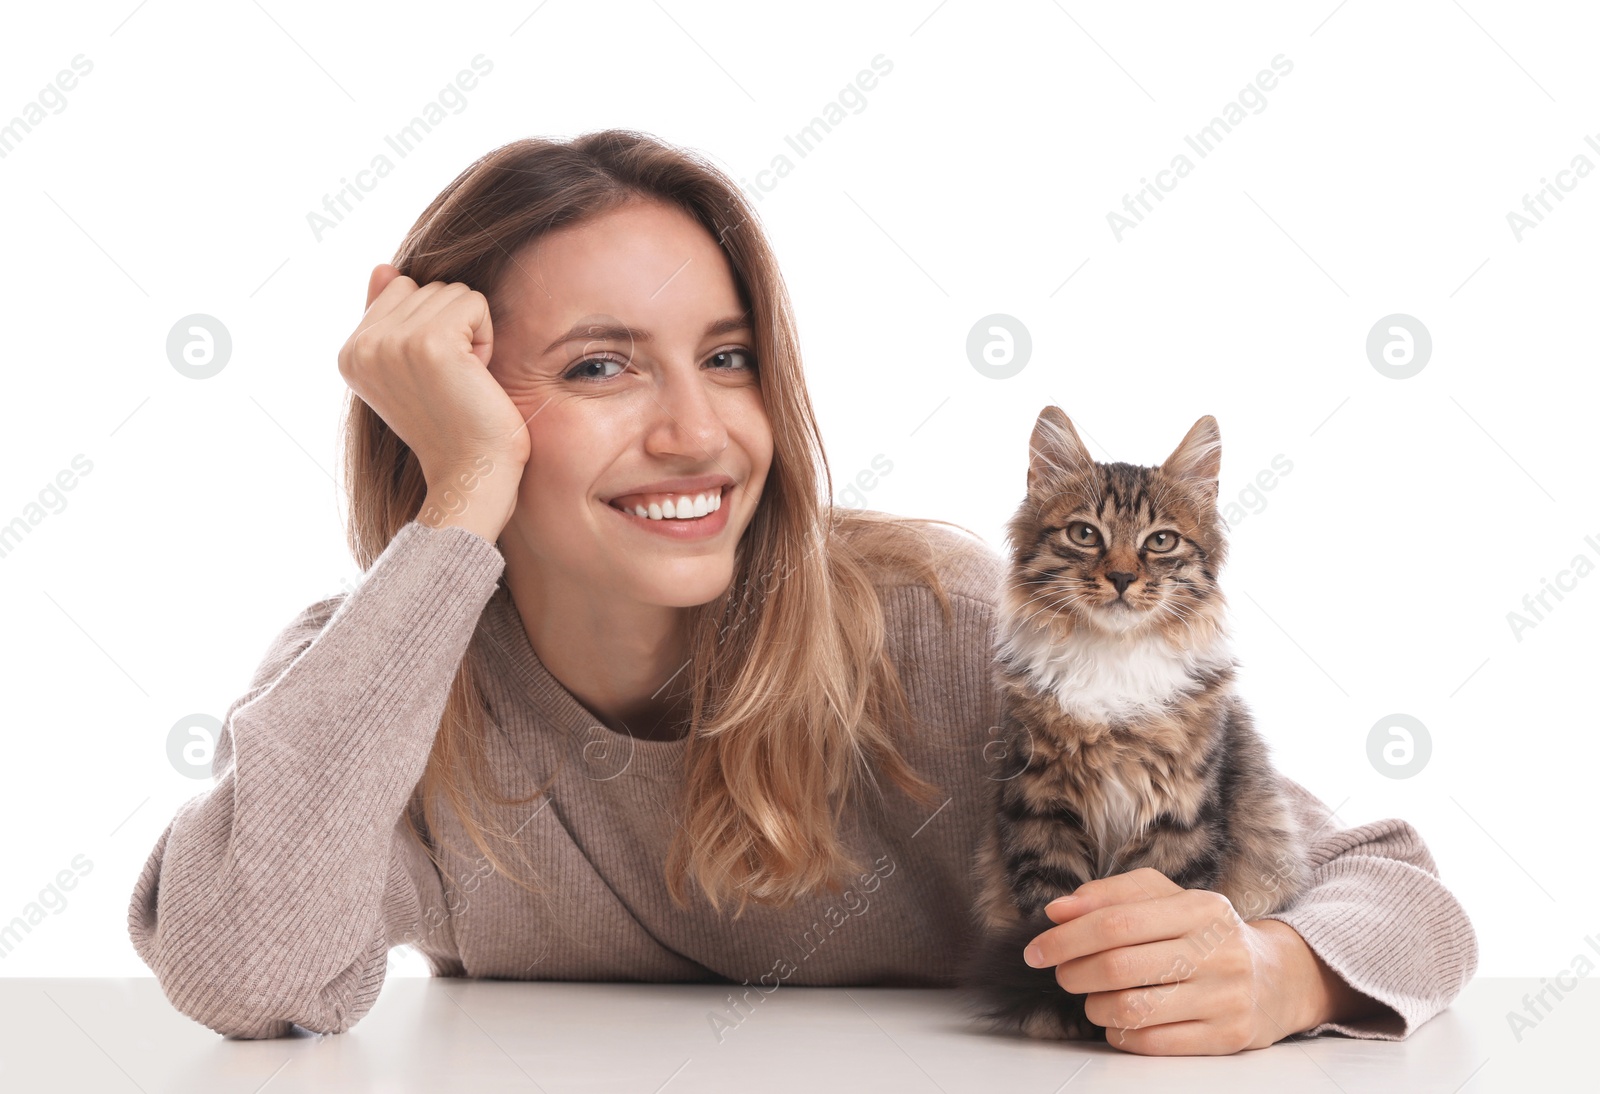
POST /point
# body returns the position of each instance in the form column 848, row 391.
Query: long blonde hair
column 796, row 702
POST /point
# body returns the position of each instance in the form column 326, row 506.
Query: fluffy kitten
column 1126, row 744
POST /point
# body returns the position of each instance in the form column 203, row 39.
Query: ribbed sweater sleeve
column 273, row 898
column 1380, row 917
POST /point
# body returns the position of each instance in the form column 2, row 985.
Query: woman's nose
column 688, row 419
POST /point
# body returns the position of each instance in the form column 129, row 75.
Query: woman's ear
column 382, row 274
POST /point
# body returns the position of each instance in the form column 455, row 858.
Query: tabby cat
column 1126, row 745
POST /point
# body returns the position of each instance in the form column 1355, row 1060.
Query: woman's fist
column 419, row 358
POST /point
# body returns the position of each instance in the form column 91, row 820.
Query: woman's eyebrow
column 606, row 332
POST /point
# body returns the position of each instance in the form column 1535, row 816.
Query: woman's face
column 612, row 415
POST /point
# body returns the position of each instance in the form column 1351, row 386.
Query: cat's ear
column 1197, row 461
column 1056, row 454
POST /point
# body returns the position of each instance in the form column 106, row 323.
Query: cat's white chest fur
column 1109, row 677
column 1120, row 822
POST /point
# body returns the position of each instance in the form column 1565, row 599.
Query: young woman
column 622, row 697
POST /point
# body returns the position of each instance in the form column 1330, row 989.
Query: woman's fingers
column 457, row 305
column 1141, row 884
column 413, row 309
column 1179, row 1039
column 1159, row 1004
column 1128, row 967
column 1139, row 921
column 394, row 292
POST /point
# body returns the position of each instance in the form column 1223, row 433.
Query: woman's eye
column 583, row 369
column 746, row 358
column 587, row 368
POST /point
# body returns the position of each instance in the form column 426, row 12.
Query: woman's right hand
column 419, row 358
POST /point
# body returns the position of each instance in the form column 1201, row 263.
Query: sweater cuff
column 1387, row 928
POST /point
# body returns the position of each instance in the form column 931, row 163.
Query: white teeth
column 683, row 508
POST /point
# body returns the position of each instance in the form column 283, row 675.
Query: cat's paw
column 1061, row 1020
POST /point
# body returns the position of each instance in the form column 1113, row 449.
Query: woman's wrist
column 1306, row 991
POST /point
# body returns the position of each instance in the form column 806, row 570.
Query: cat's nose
column 1121, row 581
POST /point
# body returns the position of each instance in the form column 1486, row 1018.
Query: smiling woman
column 625, row 339
column 613, row 629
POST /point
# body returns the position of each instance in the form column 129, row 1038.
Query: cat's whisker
column 1070, row 595
column 1181, row 611
column 1054, row 614
column 1067, row 594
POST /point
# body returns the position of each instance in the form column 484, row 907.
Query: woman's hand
column 419, row 358
column 1173, row 971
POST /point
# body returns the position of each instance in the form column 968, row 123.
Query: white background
column 1374, row 578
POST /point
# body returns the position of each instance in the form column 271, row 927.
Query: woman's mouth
column 700, row 516
column 671, row 507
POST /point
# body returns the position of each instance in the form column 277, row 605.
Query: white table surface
column 115, row 1035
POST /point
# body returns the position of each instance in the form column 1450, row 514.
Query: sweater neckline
column 603, row 750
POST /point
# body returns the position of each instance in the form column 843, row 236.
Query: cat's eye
column 1161, row 542
column 1083, row 534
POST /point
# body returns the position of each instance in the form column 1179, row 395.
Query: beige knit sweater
column 274, row 897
